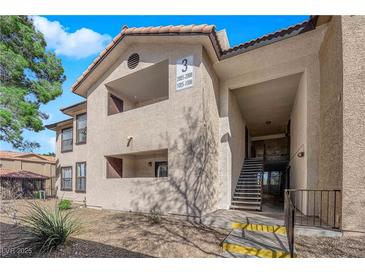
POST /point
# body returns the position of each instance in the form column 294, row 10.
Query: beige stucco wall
column 236, row 142
column 298, row 137
column 295, row 55
column 353, row 203
column 176, row 124
column 331, row 128
column 331, row 68
column 203, row 130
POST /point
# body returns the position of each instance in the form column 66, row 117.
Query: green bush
column 64, row 204
column 36, row 194
column 45, row 228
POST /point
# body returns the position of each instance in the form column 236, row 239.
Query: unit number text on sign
column 184, row 73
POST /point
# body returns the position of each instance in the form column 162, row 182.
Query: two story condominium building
column 175, row 118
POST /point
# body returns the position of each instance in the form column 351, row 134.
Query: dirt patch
column 329, row 247
column 107, row 233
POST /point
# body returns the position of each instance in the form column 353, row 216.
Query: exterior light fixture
column 129, row 139
column 300, row 154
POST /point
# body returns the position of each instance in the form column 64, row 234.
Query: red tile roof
column 199, row 29
column 270, row 38
column 20, row 174
column 20, row 156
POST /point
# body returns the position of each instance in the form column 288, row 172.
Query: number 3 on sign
column 184, row 73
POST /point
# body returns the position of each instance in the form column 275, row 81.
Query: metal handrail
column 316, row 207
column 261, row 179
column 311, row 207
column 289, row 210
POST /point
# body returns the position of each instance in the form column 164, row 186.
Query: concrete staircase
column 247, row 195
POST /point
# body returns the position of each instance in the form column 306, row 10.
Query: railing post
column 292, row 240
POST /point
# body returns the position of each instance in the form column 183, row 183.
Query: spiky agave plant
column 45, row 229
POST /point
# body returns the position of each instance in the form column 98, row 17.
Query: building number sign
column 184, row 73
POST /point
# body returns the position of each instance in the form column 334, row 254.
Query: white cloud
column 52, row 143
column 79, row 44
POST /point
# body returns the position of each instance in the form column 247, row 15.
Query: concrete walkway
column 253, row 235
column 223, row 218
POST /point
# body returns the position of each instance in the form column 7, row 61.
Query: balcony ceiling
column 268, row 101
column 144, row 85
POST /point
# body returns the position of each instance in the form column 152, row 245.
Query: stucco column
column 353, row 203
column 224, row 151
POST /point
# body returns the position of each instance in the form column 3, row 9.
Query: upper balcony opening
column 141, row 88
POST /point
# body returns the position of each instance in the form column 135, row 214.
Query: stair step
column 248, row 186
column 256, row 208
column 253, row 160
column 247, row 190
column 246, row 202
column 245, row 194
column 239, row 198
column 249, row 174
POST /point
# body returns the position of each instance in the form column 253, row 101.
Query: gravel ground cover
column 329, row 247
column 107, row 233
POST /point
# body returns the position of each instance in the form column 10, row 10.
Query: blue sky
column 77, row 40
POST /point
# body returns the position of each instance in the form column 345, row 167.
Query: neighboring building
column 171, row 113
column 35, row 167
column 15, row 184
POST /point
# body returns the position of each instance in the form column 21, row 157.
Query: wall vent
column 133, row 61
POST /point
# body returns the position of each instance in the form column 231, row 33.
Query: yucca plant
column 45, row 229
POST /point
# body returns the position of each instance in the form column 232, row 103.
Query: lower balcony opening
column 146, row 164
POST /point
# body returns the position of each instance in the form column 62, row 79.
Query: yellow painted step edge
column 251, row 251
column 261, row 228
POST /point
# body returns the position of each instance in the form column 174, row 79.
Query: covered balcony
column 146, row 164
column 143, row 87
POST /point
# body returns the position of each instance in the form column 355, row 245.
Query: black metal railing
column 260, row 180
column 316, row 207
column 311, row 207
column 289, row 210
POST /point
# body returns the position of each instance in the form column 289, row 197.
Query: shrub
column 155, row 215
column 64, row 204
column 36, row 194
column 45, row 228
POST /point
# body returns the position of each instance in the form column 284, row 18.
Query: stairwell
column 247, row 194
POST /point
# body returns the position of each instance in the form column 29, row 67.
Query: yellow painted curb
column 251, row 251
column 261, row 228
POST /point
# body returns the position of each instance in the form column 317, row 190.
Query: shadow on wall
column 193, row 167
